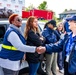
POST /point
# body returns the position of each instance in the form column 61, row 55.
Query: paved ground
column 57, row 73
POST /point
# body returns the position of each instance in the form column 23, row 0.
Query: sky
column 58, row 6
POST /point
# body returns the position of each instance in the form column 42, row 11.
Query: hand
column 41, row 38
column 40, row 49
column 62, row 36
column 24, row 58
column 65, row 32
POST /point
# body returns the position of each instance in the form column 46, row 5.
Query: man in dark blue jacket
column 68, row 44
column 51, row 37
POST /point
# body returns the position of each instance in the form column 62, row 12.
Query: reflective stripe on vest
column 8, row 47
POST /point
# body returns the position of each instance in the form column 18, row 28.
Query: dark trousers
column 60, row 61
column 33, row 67
column 66, row 69
column 10, row 72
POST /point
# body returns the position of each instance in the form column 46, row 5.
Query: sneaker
column 61, row 71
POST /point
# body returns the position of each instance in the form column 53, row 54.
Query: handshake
column 40, row 50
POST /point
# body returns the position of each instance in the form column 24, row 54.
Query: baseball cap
column 71, row 18
column 53, row 22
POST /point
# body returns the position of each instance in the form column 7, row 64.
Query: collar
column 11, row 25
column 15, row 27
column 74, row 38
column 50, row 29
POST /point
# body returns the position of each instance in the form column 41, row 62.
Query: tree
column 70, row 9
column 54, row 16
column 29, row 7
column 65, row 10
column 43, row 6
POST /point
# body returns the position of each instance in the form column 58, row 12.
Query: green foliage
column 65, row 10
column 70, row 9
column 55, row 18
column 29, row 7
column 43, row 6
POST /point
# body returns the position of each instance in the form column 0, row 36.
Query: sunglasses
column 19, row 20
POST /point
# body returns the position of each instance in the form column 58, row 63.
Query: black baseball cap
column 53, row 22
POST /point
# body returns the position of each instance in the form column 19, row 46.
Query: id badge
column 67, row 58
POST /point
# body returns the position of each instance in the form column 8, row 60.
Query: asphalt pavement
column 58, row 73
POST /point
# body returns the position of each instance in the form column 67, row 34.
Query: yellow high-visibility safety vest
column 8, row 47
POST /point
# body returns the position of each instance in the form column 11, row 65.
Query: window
column 20, row 1
column 2, row 32
column 12, row 0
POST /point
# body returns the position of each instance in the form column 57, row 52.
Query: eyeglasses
column 19, row 20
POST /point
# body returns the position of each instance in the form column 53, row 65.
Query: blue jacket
column 50, row 35
column 66, row 26
column 61, row 45
column 13, row 55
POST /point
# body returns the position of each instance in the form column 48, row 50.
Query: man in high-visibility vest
column 14, row 46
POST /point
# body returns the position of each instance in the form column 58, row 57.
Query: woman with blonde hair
column 32, row 34
column 60, row 30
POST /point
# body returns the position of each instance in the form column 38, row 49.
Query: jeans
column 60, row 61
column 33, row 67
column 10, row 72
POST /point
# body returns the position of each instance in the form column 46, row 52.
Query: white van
column 24, row 66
